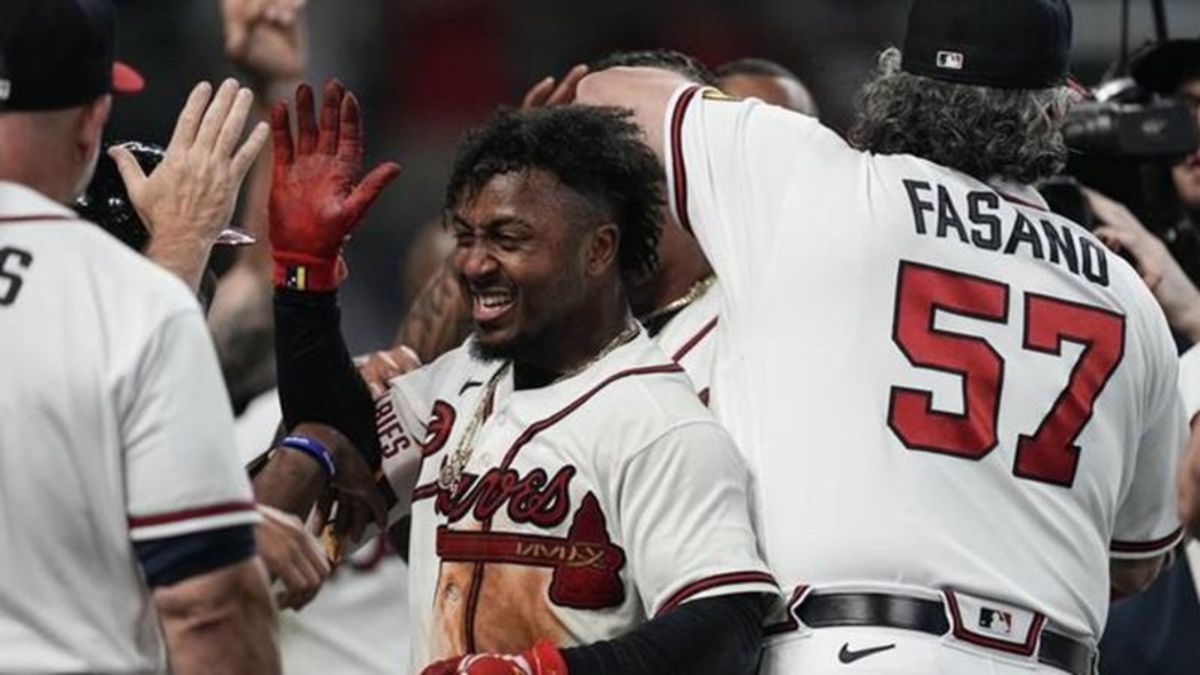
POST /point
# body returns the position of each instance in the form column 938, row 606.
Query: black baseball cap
column 57, row 54
column 1160, row 68
column 1006, row 44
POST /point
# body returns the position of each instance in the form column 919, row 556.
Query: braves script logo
column 531, row 499
column 586, row 563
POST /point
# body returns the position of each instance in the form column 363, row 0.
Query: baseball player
column 574, row 508
column 677, row 304
column 971, row 400
column 125, row 506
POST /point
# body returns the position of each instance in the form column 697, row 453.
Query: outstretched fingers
column 235, row 123
column 349, row 144
column 331, row 107
column 217, row 113
column 244, row 158
column 370, row 187
column 306, row 122
column 281, row 134
column 189, row 117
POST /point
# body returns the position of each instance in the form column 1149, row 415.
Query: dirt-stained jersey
column 937, row 382
column 586, row 506
column 114, row 428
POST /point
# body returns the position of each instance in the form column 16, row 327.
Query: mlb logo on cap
column 950, row 60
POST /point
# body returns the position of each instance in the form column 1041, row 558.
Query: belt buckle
column 994, row 624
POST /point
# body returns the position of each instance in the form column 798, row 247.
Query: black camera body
column 1124, row 146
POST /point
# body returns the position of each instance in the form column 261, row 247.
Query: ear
column 90, row 128
column 603, row 246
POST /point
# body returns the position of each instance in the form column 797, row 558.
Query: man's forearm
column 317, row 379
column 291, row 482
column 711, row 636
column 185, row 257
column 222, row 622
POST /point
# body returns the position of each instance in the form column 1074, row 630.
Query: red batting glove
column 543, row 659
column 316, row 199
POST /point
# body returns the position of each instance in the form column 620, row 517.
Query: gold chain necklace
column 699, row 288
column 628, row 333
column 451, row 472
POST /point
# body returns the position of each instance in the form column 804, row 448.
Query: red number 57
column 1050, row 454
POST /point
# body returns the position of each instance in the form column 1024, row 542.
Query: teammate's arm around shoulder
column 221, row 621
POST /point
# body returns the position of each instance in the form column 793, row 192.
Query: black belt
column 822, row 610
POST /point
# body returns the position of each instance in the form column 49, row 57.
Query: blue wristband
column 313, row 448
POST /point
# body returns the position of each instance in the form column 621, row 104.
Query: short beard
column 500, row 352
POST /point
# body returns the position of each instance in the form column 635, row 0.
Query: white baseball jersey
column 689, row 338
column 358, row 623
column 938, row 383
column 114, row 428
column 1189, row 381
column 586, row 506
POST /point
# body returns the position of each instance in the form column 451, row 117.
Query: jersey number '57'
column 1049, row 454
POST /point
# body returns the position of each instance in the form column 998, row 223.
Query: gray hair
column 1014, row 134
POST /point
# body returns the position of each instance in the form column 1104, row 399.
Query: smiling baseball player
column 574, row 507
column 971, row 402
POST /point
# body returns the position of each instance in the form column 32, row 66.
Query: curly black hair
column 597, row 152
column 666, row 59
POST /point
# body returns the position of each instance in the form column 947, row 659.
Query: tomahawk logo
column 950, row 60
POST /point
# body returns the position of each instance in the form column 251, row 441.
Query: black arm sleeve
column 710, row 636
column 317, row 378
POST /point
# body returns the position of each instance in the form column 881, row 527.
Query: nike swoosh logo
column 850, row 656
column 469, row 384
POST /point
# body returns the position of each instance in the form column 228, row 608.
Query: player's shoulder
column 643, row 389
column 749, row 117
column 82, row 255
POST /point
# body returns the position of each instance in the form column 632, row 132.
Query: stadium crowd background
column 426, row 70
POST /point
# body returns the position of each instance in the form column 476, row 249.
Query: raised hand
column 317, row 198
column 189, row 197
